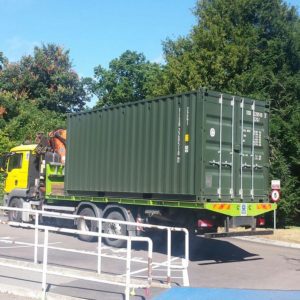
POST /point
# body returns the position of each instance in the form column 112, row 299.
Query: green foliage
column 129, row 78
column 3, row 60
column 248, row 47
column 23, row 120
column 237, row 46
column 46, row 78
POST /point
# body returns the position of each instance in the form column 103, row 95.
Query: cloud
column 17, row 47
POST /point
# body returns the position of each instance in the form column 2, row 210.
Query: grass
column 290, row 234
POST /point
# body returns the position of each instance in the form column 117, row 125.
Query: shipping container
column 201, row 146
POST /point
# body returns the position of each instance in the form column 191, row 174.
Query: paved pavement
column 224, row 263
column 6, row 296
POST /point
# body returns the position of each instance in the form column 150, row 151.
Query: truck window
column 15, row 162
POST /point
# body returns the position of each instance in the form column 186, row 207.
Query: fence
column 128, row 282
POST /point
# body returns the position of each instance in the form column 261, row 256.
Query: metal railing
column 128, row 283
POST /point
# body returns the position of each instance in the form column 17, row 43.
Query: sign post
column 275, row 196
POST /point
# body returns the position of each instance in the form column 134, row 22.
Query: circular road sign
column 275, row 195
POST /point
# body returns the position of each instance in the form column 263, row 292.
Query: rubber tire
column 15, row 216
column 117, row 243
column 87, row 226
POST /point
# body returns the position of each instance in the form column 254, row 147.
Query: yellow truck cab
column 21, row 167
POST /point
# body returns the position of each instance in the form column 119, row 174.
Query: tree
column 23, row 120
column 3, row 60
column 248, row 47
column 129, row 78
column 45, row 78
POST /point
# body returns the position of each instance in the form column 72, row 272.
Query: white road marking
column 154, row 267
column 20, row 244
column 118, row 250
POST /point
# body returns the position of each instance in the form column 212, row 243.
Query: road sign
column 275, row 184
column 275, row 195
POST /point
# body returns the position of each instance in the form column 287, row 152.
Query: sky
column 95, row 31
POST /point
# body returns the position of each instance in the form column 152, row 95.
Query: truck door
column 17, row 171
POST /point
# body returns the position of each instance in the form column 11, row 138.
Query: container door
column 252, row 179
column 235, row 148
column 218, row 143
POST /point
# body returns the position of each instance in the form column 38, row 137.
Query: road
column 224, row 263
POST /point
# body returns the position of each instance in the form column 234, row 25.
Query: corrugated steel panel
column 171, row 146
column 235, row 148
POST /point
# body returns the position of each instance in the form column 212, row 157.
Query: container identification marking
column 178, row 135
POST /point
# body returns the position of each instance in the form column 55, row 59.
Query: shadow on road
column 212, row 251
column 204, row 250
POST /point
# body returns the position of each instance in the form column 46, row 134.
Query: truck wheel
column 15, row 216
column 87, row 225
column 116, row 229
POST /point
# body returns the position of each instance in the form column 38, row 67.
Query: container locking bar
column 252, row 154
column 242, row 148
column 220, row 147
column 232, row 148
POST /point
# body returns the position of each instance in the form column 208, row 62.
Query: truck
column 198, row 160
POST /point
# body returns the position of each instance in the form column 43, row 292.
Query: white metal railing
column 127, row 283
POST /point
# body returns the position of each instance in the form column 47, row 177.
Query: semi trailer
column 198, row 160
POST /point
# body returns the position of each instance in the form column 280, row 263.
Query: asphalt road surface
column 223, row 263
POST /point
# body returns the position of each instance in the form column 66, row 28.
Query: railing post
column 128, row 259
column 36, row 237
column 186, row 281
column 150, row 259
column 99, row 265
column 169, row 256
column 45, row 262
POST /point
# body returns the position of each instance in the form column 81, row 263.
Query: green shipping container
column 202, row 146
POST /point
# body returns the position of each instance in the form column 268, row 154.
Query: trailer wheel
column 115, row 228
column 87, row 225
column 15, row 216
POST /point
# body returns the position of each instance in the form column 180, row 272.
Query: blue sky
column 95, row 31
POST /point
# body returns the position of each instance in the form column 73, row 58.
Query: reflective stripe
column 222, row 206
column 264, row 206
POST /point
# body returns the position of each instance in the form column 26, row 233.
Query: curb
column 31, row 293
column 269, row 242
